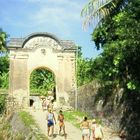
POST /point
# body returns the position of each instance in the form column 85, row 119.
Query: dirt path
column 73, row 133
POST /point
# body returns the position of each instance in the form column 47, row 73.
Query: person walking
column 50, row 122
column 44, row 104
column 85, row 129
column 61, row 122
column 98, row 133
column 93, row 125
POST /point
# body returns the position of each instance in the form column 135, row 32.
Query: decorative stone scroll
column 42, row 42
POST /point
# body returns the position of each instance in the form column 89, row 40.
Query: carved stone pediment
column 41, row 41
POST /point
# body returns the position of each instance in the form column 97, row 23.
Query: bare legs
column 83, row 137
column 52, row 130
column 62, row 127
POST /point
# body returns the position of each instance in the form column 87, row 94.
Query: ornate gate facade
column 36, row 51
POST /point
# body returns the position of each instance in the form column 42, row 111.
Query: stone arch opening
column 42, row 82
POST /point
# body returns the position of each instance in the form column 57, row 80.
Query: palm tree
column 96, row 10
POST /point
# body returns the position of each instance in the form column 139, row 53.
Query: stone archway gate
column 41, row 50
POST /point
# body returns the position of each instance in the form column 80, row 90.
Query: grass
column 3, row 91
column 34, row 131
column 74, row 117
column 27, row 118
column 30, row 122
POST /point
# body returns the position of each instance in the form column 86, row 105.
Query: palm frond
column 95, row 10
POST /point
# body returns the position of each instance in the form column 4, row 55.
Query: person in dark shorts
column 50, row 122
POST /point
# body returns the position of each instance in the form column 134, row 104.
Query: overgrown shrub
column 2, row 103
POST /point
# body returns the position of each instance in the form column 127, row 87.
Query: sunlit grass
column 74, row 117
column 27, row 118
column 29, row 122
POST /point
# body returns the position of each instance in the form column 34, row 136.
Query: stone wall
column 117, row 108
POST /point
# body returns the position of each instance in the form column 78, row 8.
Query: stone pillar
column 65, row 77
column 18, row 87
column 60, row 81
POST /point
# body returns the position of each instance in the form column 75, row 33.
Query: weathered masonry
column 41, row 50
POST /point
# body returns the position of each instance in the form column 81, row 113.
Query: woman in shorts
column 51, row 119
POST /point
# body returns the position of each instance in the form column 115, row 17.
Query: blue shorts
column 50, row 123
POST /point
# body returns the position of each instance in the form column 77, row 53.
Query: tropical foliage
column 97, row 10
column 118, row 66
column 3, row 37
column 84, row 69
column 4, row 64
column 2, row 103
column 120, row 43
column 4, row 71
column 42, row 81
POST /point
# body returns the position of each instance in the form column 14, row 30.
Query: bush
column 2, row 103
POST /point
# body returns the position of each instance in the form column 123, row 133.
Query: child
column 61, row 122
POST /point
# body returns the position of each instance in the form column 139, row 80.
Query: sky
column 20, row 18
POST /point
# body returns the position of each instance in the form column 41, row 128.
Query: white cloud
column 61, row 14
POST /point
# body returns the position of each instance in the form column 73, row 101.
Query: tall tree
column 118, row 66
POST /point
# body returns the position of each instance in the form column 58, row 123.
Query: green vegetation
column 42, row 81
column 27, row 118
column 2, row 103
column 4, row 72
column 75, row 117
column 120, row 42
column 3, row 37
column 118, row 65
column 84, row 69
column 117, row 34
column 4, row 68
column 4, row 130
column 24, row 127
column 30, row 123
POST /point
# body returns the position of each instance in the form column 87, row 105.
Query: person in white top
column 50, row 121
column 93, row 125
column 97, row 132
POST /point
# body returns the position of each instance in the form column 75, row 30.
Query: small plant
column 30, row 123
column 27, row 118
column 2, row 103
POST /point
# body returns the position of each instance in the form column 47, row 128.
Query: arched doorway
column 42, row 84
